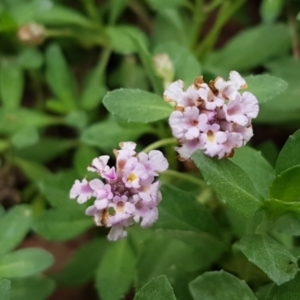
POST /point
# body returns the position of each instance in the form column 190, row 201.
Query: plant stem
column 294, row 34
column 186, row 177
column 142, row 14
column 160, row 143
column 227, row 10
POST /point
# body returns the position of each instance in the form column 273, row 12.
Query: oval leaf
column 25, row 262
column 33, row 288
column 158, row 288
column 83, row 264
column 264, row 251
column 265, row 87
column 257, row 168
column 11, row 84
column 230, row 182
column 13, row 227
column 289, row 154
column 137, row 106
column 286, row 186
column 111, row 134
column 62, row 224
column 116, row 271
column 220, row 285
column 287, row 291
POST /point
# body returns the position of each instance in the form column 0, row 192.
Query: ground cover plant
column 149, row 149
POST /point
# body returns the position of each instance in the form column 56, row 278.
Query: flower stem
column 160, row 143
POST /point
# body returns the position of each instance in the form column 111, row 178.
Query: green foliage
column 263, row 251
column 14, row 226
column 60, row 80
column 186, row 66
column 34, row 288
column 231, row 183
column 157, row 288
column 110, row 138
column 11, row 84
column 24, row 262
column 83, row 264
column 257, row 168
column 116, row 271
column 252, row 48
column 5, row 289
column 265, row 87
column 136, row 106
column 76, row 79
column 220, row 285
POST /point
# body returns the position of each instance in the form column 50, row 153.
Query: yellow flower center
column 210, row 136
column 131, row 178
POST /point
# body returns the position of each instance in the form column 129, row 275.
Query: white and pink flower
column 126, row 196
column 214, row 117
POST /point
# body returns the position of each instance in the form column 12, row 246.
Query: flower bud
column 164, row 68
column 32, row 34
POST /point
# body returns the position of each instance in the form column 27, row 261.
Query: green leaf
column 270, row 10
column 277, row 208
column 63, row 223
column 25, row 137
column 25, row 262
column 289, row 154
column 45, row 150
column 287, row 291
column 33, row 288
column 158, row 288
column 14, row 226
column 77, row 119
column 137, row 106
column 31, row 58
column 257, row 168
column 167, row 4
column 187, row 67
column 169, row 26
column 116, row 271
column 220, row 285
column 116, row 9
column 34, row 171
column 183, row 218
column 130, row 75
column 176, row 259
column 252, row 47
column 263, row 251
column 7, row 22
column 93, row 90
column 83, row 158
column 121, row 38
column 60, row 15
column 12, row 120
column 83, row 264
column 111, row 134
column 59, row 77
column 265, row 87
column 286, row 186
column 11, row 84
column 288, row 69
column 56, row 188
column 230, row 182
column 5, row 289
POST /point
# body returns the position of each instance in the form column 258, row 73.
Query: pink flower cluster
column 214, row 117
column 128, row 193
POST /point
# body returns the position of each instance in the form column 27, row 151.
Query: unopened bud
column 31, row 34
column 164, row 68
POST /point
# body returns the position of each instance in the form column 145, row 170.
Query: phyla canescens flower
column 127, row 194
column 214, row 117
